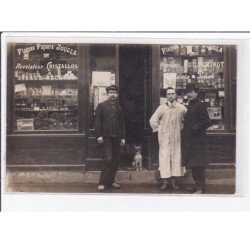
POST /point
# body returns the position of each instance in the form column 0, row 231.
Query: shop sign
column 205, row 76
column 216, row 48
column 169, row 49
column 51, row 65
column 200, row 76
column 207, row 64
column 47, row 47
column 28, row 66
column 190, row 50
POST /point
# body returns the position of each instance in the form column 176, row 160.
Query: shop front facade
column 53, row 91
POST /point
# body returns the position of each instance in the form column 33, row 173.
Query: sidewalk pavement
column 125, row 189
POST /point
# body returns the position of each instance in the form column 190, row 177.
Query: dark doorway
column 134, row 64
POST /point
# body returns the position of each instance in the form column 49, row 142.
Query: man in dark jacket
column 194, row 138
column 110, row 131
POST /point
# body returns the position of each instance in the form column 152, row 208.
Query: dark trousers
column 111, row 151
column 198, row 173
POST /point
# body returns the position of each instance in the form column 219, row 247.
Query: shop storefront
column 53, row 90
column 213, row 69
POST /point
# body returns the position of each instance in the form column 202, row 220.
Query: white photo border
column 142, row 202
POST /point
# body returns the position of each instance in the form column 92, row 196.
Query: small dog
column 137, row 162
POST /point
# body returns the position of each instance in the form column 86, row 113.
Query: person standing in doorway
column 110, row 132
column 168, row 121
column 194, row 138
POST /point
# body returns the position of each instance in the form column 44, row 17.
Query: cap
column 112, row 87
column 192, row 86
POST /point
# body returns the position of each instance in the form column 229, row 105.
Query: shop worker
column 168, row 122
column 110, row 132
column 194, row 138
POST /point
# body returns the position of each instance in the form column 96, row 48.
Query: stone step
column 214, row 175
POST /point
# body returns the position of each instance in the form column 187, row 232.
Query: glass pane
column 200, row 64
column 46, row 87
column 102, row 73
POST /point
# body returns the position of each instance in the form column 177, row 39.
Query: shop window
column 200, row 64
column 46, row 87
column 102, row 69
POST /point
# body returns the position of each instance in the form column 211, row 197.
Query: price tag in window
column 169, row 80
column 20, row 87
column 25, row 124
column 221, row 94
column 179, row 100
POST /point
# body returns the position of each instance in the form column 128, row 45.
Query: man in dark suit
column 194, row 138
column 110, row 131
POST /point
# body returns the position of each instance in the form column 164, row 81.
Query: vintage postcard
column 120, row 117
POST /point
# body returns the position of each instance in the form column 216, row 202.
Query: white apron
column 168, row 121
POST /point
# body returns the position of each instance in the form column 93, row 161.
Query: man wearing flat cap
column 110, row 132
column 194, row 138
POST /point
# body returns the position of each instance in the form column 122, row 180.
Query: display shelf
column 178, row 70
column 193, row 56
column 47, row 96
column 47, row 81
column 38, row 60
column 33, row 132
column 45, row 110
column 203, row 89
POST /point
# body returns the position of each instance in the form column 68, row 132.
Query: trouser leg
column 198, row 173
column 116, row 159
column 111, row 149
column 107, row 164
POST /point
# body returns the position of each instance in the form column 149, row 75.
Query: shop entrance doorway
column 134, row 81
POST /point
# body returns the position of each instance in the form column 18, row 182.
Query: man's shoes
column 199, row 191
column 115, row 185
column 173, row 184
column 175, row 187
column 196, row 189
column 191, row 189
column 101, row 187
column 164, row 187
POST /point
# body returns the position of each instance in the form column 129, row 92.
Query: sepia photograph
column 125, row 122
column 120, row 117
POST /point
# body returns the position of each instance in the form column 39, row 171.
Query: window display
column 46, row 87
column 200, row 64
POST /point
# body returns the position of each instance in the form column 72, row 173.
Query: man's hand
column 122, row 142
column 100, row 139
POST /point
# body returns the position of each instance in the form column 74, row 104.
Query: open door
column 134, row 85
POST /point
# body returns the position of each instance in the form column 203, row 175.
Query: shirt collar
column 195, row 100
column 112, row 102
column 171, row 104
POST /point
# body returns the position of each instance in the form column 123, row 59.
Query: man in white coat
column 168, row 122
